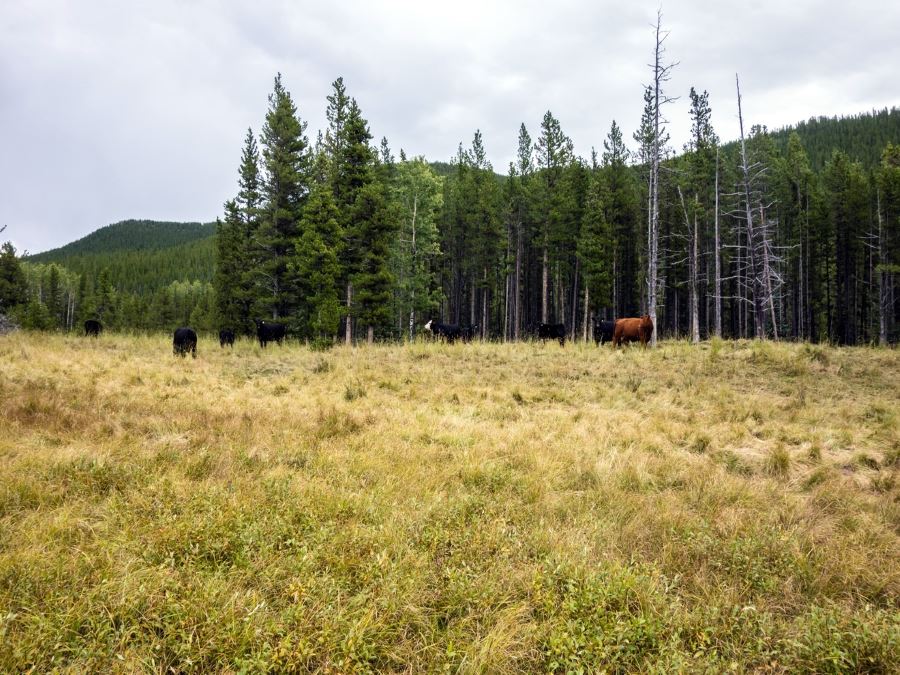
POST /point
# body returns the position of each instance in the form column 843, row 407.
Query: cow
column 448, row 331
column 93, row 328
column 552, row 331
column 185, row 341
column 633, row 330
column 603, row 331
column 468, row 333
column 226, row 337
column 268, row 331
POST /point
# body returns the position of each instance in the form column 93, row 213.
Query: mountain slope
column 141, row 256
column 130, row 235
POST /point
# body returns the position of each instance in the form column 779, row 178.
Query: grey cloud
column 113, row 110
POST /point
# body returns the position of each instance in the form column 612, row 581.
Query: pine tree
column 596, row 244
column 352, row 179
column 888, row 241
column 286, row 159
column 520, row 200
column 621, row 211
column 316, row 265
column 848, row 207
column 554, row 153
column 372, row 281
column 13, row 285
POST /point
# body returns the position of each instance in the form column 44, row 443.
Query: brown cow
column 633, row 330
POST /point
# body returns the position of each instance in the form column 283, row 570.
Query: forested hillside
column 128, row 235
column 136, row 274
column 862, row 137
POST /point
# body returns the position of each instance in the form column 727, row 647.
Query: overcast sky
column 115, row 109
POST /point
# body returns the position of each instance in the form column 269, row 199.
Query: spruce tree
column 317, row 267
column 554, row 153
column 596, row 243
column 621, row 211
column 13, row 285
column 374, row 226
column 286, row 160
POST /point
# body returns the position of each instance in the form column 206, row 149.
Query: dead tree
column 661, row 75
column 761, row 263
column 693, row 295
column 718, row 261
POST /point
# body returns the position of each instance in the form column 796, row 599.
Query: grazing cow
column 268, row 332
column 603, row 331
column 185, row 341
column 226, row 337
column 448, row 331
column 93, row 328
column 633, row 330
column 468, row 333
column 552, row 331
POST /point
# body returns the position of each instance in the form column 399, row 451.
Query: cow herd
column 619, row 331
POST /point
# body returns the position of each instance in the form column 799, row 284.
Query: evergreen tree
column 373, row 280
column 848, row 208
column 13, row 286
column 621, row 211
column 554, row 153
column 231, row 255
column 596, row 243
column 286, row 159
column 887, row 242
column 316, row 264
column 353, row 176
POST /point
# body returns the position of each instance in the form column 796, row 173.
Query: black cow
column 93, row 328
column 268, row 331
column 603, row 331
column 226, row 337
column 448, row 331
column 185, row 341
column 468, row 333
column 552, row 331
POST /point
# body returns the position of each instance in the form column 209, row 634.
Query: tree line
column 343, row 241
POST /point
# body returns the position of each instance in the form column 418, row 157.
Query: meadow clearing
column 447, row 508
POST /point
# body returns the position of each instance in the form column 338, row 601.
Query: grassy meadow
column 447, row 508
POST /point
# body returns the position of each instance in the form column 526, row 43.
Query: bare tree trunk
column 517, row 323
column 575, row 296
column 587, row 298
column 484, row 306
column 545, row 281
column 718, row 283
column 348, row 327
column 758, row 321
column 883, row 306
column 473, row 291
column 660, row 75
column 370, row 335
column 767, row 273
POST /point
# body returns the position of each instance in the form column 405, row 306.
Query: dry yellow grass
column 480, row 508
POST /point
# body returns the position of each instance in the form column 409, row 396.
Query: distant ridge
column 129, row 235
column 862, row 137
column 140, row 256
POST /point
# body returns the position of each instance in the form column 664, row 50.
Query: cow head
column 428, row 325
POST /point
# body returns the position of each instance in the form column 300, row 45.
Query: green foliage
column 13, row 285
column 415, row 251
column 316, row 265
